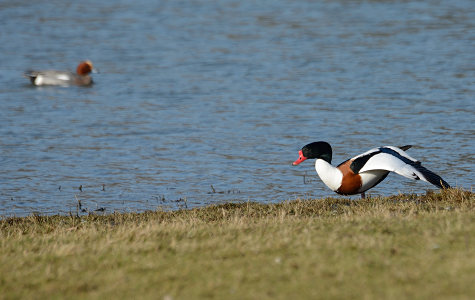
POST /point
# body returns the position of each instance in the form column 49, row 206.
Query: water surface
column 202, row 102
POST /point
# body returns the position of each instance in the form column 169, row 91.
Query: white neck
column 330, row 175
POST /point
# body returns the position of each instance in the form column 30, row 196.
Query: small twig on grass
column 78, row 205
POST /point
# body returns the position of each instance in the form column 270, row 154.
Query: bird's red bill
column 301, row 159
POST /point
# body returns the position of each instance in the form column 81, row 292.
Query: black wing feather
column 358, row 163
column 432, row 177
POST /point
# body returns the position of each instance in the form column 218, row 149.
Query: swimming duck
column 362, row 172
column 53, row 77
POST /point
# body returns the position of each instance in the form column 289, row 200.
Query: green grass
column 401, row 247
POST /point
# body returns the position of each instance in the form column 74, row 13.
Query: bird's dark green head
column 317, row 150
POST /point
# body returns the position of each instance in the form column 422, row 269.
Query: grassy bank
column 407, row 246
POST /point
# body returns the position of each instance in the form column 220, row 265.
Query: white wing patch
column 51, row 77
column 383, row 161
column 401, row 152
column 39, row 80
column 63, row 77
column 366, row 153
column 388, row 162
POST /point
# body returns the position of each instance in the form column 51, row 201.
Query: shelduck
column 63, row 78
column 362, row 172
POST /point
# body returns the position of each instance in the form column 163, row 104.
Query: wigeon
column 64, row 78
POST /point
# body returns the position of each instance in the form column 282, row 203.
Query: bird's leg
column 363, row 196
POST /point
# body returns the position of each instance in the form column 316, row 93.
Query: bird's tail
column 404, row 148
column 30, row 75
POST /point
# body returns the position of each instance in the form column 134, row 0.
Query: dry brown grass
column 405, row 246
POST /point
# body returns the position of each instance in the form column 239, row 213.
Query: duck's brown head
column 85, row 67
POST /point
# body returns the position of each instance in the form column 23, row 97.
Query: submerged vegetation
column 405, row 246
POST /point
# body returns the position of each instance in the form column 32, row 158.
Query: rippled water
column 202, row 102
